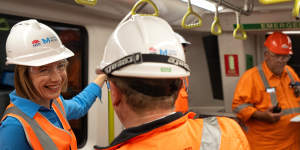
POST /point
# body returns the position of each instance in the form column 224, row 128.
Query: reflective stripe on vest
column 211, row 134
column 44, row 139
column 290, row 75
column 240, row 107
column 266, row 84
column 60, row 109
column 186, row 84
column 273, row 94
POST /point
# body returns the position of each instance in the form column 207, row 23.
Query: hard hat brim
column 44, row 58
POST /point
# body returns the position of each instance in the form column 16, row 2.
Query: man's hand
column 266, row 116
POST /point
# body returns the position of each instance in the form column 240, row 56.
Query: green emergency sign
column 271, row 26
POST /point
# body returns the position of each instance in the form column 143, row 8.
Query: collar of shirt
column 269, row 74
column 27, row 106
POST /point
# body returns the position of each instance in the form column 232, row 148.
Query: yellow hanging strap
column 267, row 2
column 139, row 3
column 296, row 9
column 188, row 13
column 87, row 2
column 4, row 25
column 216, row 22
column 239, row 29
column 111, row 118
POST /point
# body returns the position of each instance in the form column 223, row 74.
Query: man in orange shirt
column 182, row 101
column 266, row 98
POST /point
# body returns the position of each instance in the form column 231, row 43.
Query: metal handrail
column 246, row 11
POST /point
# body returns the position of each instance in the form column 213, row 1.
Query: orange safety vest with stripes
column 41, row 134
column 182, row 102
column 258, row 90
column 178, row 132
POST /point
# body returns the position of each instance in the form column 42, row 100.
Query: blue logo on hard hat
column 46, row 40
column 167, row 52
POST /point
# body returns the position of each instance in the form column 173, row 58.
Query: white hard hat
column 145, row 47
column 31, row 43
column 181, row 39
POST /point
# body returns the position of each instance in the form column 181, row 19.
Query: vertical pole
column 111, row 124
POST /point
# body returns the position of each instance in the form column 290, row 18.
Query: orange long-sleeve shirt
column 251, row 91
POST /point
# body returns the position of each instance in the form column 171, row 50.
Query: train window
column 294, row 62
column 212, row 56
column 73, row 37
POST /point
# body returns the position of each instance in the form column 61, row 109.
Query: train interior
column 217, row 58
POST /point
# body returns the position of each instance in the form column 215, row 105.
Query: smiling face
column 48, row 80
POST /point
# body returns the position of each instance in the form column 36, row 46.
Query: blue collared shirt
column 12, row 135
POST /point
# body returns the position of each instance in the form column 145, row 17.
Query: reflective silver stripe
column 185, row 84
column 290, row 75
column 291, row 111
column 211, row 134
column 43, row 137
column 242, row 106
column 60, row 108
column 6, row 111
column 266, row 84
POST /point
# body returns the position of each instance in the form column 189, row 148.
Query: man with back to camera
column 144, row 85
column 266, row 98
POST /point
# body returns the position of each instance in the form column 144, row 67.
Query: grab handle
column 87, row 2
column 239, row 29
column 216, row 23
column 133, row 10
column 188, row 13
column 296, row 9
column 267, row 2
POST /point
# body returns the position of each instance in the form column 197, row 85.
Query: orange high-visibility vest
column 182, row 102
column 185, row 133
column 41, row 134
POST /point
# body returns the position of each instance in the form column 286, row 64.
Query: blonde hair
column 23, row 84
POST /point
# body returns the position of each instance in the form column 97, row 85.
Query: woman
column 37, row 115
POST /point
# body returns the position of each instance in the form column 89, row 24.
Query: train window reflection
column 73, row 37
